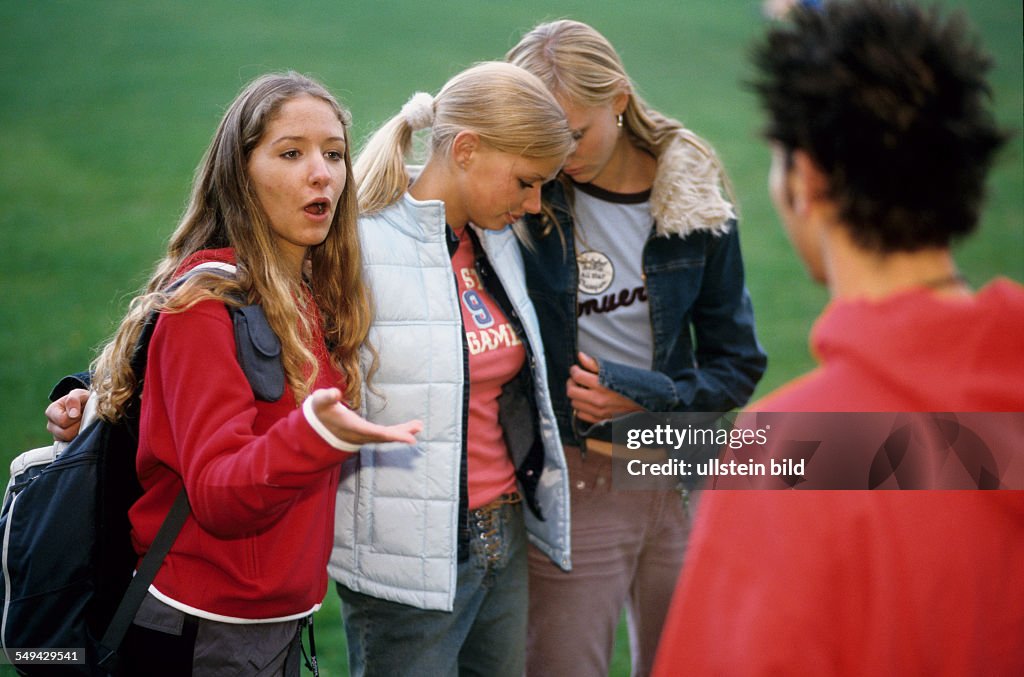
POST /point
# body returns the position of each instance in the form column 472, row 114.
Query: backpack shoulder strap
column 144, row 575
column 259, row 352
column 141, row 352
column 258, row 347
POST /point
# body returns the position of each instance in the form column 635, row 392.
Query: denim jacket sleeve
column 725, row 362
column 82, row 379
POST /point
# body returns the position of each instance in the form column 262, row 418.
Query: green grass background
column 106, row 107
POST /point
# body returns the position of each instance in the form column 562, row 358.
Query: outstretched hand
column 64, row 419
column 64, row 416
column 591, row 401
column 353, row 428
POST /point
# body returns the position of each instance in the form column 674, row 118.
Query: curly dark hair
column 891, row 101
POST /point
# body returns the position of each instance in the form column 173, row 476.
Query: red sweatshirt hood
column 923, row 347
column 223, row 255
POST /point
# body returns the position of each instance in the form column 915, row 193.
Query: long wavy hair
column 509, row 109
column 578, row 64
column 224, row 211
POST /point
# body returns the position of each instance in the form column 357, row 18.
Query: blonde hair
column 224, row 211
column 510, row 109
column 578, row 64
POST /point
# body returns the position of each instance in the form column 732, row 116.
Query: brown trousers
column 627, row 550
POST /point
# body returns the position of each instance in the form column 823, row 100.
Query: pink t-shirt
column 495, row 356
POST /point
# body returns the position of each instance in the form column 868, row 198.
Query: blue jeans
column 485, row 634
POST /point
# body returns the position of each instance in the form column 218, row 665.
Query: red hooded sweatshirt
column 869, row 582
column 261, row 481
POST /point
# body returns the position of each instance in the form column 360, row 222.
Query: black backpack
column 67, row 554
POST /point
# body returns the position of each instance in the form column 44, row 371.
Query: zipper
column 462, row 521
column 650, row 305
column 7, row 575
column 464, row 442
column 581, row 441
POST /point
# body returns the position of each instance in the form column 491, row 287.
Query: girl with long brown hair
column 273, row 205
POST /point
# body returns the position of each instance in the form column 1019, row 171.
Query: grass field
column 105, row 109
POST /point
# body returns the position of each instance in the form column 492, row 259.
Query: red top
column 915, row 351
column 260, row 480
column 869, row 582
column 495, row 356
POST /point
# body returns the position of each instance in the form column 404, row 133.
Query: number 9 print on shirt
column 492, row 330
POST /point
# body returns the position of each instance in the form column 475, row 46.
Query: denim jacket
column 706, row 354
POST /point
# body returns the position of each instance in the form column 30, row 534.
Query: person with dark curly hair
column 882, row 136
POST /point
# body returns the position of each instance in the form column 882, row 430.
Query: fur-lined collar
column 687, row 192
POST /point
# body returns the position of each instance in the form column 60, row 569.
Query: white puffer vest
column 396, row 518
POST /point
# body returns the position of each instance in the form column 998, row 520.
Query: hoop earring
column 618, row 120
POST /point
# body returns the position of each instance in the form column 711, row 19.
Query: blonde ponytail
column 509, row 108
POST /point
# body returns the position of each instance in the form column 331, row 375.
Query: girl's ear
column 620, row 102
column 464, row 147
